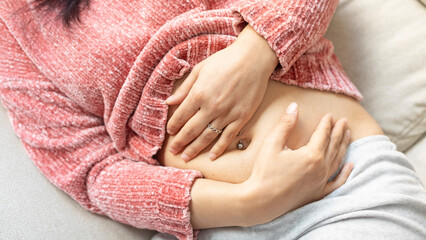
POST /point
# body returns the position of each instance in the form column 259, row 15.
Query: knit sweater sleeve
column 290, row 26
column 74, row 151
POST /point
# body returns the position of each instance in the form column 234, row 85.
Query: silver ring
column 209, row 126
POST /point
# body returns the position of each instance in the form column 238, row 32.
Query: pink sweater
column 88, row 102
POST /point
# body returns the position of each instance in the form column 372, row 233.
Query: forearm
column 218, row 204
column 251, row 44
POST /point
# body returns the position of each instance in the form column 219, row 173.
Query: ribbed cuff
column 175, row 206
column 318, row 69
column 256, row 15
column 146, row 196
column 289, row 27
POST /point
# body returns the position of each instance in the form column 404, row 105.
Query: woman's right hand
column 284, row 179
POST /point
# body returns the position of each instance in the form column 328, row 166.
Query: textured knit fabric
column 383, row 199
column 88, row 102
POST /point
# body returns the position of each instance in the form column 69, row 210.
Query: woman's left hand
column 222, row 92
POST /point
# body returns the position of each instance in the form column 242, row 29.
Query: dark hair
column 69, row 10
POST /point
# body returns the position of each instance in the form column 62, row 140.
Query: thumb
column 183, row 90
column 286, row 125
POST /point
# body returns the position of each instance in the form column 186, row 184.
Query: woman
column 88, row 103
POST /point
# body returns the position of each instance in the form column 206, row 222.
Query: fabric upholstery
column 381, row 46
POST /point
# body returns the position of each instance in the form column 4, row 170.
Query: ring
column 209, row 126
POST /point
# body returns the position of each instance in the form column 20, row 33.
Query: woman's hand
column 222, row 92
column 285, row 179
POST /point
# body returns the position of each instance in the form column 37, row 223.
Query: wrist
column 220, row 204
column 253, row 46
column 263, row 204
column 246, row 204
column 254, row 201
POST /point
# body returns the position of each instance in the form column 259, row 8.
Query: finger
column 183, row 89
column 287, row 123
column 339, row 180
column 338, row 159
column 191, row 130
column 337, row 134
column 183, row 113
column 202, row 141
column 228, row 135
column 321, row 137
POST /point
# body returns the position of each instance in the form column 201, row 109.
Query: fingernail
column 292, row 108
column 172, row 150
column 169, row 99
column 169, row 132
column 347, row 167
column 212, row 156
column 344, row 168
column 185, row 157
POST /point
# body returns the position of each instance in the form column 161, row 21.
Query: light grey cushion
column 382, row 46
column 32, row 208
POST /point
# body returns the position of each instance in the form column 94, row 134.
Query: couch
column 381, row 44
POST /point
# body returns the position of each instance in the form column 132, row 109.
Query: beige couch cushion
column 382, row 46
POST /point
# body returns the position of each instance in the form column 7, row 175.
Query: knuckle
column 214, row 106
column 218, row 103
column 328, row 132
column 335, row 139
column 221, row 98
column 340, row 154
column 229, row 136
column 199, row 95
column 315, row 157
column 191, row 134
column 177, row 121
column 177, row 145
column 287, row 122
column 244, row 112
column 334, row 146
column 208, row 138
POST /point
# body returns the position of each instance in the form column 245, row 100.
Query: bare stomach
column 235, row 165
